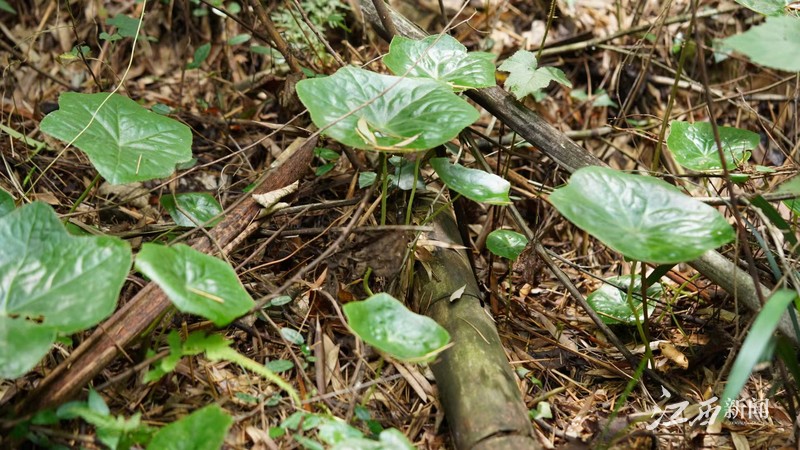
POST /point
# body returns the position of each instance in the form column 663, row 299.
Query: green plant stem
column 671, row 102
column 365, row 281
column 410, row 206
column 85, row 193
column 640, row 326
column 384, row 186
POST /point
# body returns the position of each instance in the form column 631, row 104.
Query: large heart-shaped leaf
column 204, row 429
column 51, row 282
column 775, row 43
column 196, row 283
column 442, row 58
column 476, row 185
column 644, row 218
column 694, row 147
column 384, row 323
column 366, row 110
column 125, row 141
column 202, row 207
column 611, row 300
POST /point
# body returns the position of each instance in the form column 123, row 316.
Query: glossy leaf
column 366, row 110
column 125, row 141
column 524, row 78
column 506, row 243
column 442, row 58
column 51, row 283
column 644, row 218
column 611, row 300
column 204, row 429
column 6, row 203
column 756, row 342
column 195, row 282
column 766, row 7
column 200, row 206
column 386, row 324
column 694, row 147
column 774, row 44
column 474, row 184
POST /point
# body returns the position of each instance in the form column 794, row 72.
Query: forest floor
column 243, row 112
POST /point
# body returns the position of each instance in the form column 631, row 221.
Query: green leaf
column 525, row 79
column 124, row 141
column 766, row 7
column 293, row 336
column 391, row 439
column 239, row 39
column 51, row 283
column 474, row 184
column 366, row 179
column 200, row 55
column 755, row 343
column 6, row 203
column 195, row 282
column 116, row 432
column 4, row 6
column 204, row 429
column 384, row 323
column 333, row 431
column 279, row 365
column 442, row 58
column 611, row 300
column 774, row 44
column 644, row 218
column 694, row 147
column 201, row 208
column 506, row 243
column 126, row 26
column 366, row 110
column 326, row 154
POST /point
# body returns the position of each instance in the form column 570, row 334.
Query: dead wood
column 129, row 322
column 477, row 388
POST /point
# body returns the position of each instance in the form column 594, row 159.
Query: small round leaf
column 611, row 300
column 506, row 243
column 386, row 324
column 200, row 206
column 644, row 218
